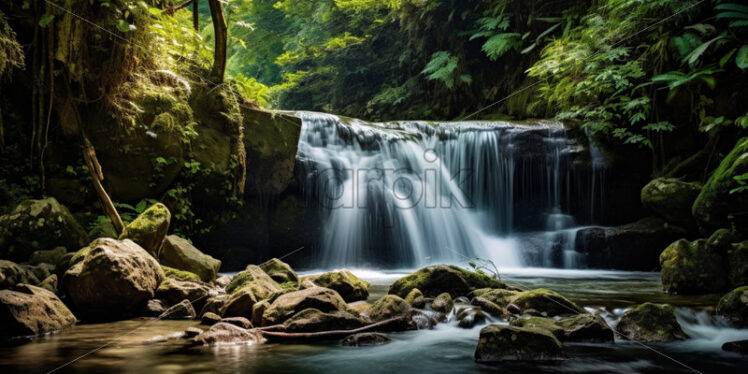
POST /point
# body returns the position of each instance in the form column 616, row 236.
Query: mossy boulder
column 415, row 298
column 443, row 303
column 437, row 279
column 349, row 286
column 175, row 290
column 489, row 307
column 280, row 271
column 52, row 256
column 38, row 225
column 12, row 274
column 312, row 320
column 388, row 306
column 498, row 296
column 149, row 229
column 583, row 327
column 31, row 311
column 734, row 307
column 737, row 264
column 546, row 302
column 253, row 278
column 181, row 254
column 650, row 322
column 112, row 279
column 469, row 317
column 286, row 305
column 692, row 268
column 671, row 199
column 509, row 343
column 179, row 274
column 715, row 203
column 240, row 303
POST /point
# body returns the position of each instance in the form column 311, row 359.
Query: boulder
column 650, row 322
column 634, row 246
column 179, row 274
column 692, row 268
column 226, row 333
column 739, row 346
column 181, row 310
column 436, row 279
column 238, row 321
column 155, row 308
column 359, row 307
column 49, row 283
column 30, row 311
column 149, row 229
column 498, row 296
column 111, row 279
column 349, row 286
column 280, row 271
column 224, row 280
column 548, row 303
column 215, row 304
column 38, row 225
column 509, row 343
column 12, row 274
column 415, row 298
column 671, row 199
column 583, row 327
column 286, row 305
column 365, row 339
column 258, row 310
column 737, row 264
column 52, row 256
column 192, row 332
column 715, row 203
column 489, row 307
column 175, row 290
column 257, row 281
column 209, row 319
column 443, row 303
column 180, row 254
column 388, row 306
column 313, row 320
column 239, row 303
column 734, row 307
column 468, row 317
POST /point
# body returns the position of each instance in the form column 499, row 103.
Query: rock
column 671, row 199
column 258, row 310
column 539, row 323
column 112, row 279
column 359, row 307
column 365, row 339
column 737, row 264
column 224, row 280
column 41, row 271
column 499, row 296
column 280, row 271
column 715, row 202
column 635, row 246
column 12, row 274
column 179, row 274
column 192, row 332
column 227, row 333
column 489, row 307
column 349, row 286
column 313, row 320
column 692, row 268
column 257, row 281
column 546, row 302
column 388, row 306
column 182, row 310
column 436, row 279
column 508, row 343
column 238, row 321
column 180, row 254
column 155, row 307
column 469, row 317
column 734, row 307
column 52, row 256
column 443, row 303
column 415, row 298
column 209, row 319
column 149, row 229
column 49, row 283
column 38, row 225
column 175, row 290
column 64, row 264
column 580, row 328
column 239, row 303
column 286, row 305
column 30, row 310
column 214, row 304
column 307, row 283
column 739, row 346
column 650, row 323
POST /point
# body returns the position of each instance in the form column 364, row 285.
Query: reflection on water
column 447, row 348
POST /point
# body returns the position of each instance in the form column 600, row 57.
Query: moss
column 436, row 279
column 545, row 301
column 540, row 323
column 443, row 303
column 650, row 322
column 671, row 199
column 256, row 280
column 415, row 298
column 715, row 202
column 280, row 271
column 149, row 229
column 388, row 306
column 348, row 285
column 499, row 296
column 692, row 268
column 179, row 274
column 734, row 306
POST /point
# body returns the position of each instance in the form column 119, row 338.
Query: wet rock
column 209, row 319
column 365, row 339
column 580, row 328
column 388, row 306
column 469, row 317
column 41, row 271
column 734, row 307
column 182, row 310
column 29, row 311
column 149, row 229
column 224, row 280
column 214, row 304
column 179, row 274
column 650, row 323
column 692, row 268
column 280, row 271
column 546, row 302
column 112, row 279
column 180, row 254
column 489, row 307
column 52, row 256
column 226, row 333
column 238, row 321
column 415, row 298
column 671, row 199
column 286, row 305
column 257, row 281
column 349, row 286
column 739, row 346
column 437, row 279
column 12, row 274
column 155, row 307
column 508, row 343
column 258, row 310
column 443, row 303
column 38, row 225
column 424, row 319
column 737, row 264
column 312, row 320
column 192, row 332
column 359, row 307
column 239, row 303
column 175, row 290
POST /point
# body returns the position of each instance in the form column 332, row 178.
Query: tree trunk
column 195, row 15
column 221, row 34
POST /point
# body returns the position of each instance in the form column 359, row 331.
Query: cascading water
column 405, row 194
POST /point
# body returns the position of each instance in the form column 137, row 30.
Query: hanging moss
column 11, row 53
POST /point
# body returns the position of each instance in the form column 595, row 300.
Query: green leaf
column 46, row 19
column 723, row 61
column 730, row 6
column 124, row 26
column 154, row 11
column 741, row 59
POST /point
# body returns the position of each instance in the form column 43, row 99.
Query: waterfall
column 406, row 194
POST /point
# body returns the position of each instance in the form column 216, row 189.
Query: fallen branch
column 392, row 324
column 89, row 154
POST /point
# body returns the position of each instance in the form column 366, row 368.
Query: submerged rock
column 734, row 307
column 29, row 311
column 443, row 303
column 436, row 279
column 180, row 254
column 365, row 339
column 280, row 271
column 508, row 343
column 149, row 229
column 546, row 302
column 182, row 310
column 650, row 323
column 286, row 305
column 692, row 268
column 671, row 199
column 312, row 320
column 349, row 286
column 111, row 279
column 739, row 346
column 388, row 306
column 226, row 333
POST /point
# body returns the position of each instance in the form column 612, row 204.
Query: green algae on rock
column 509, row 343
column 734, row 307
column 692, row 268
column 650, row 322
column 436, row 279
column 180, row 254
column 149, row 229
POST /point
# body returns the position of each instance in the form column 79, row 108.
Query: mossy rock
column 179, row 274
column 498, row 296
column 715, row 203
column 181, row 254
column 30, row 311
column 443, row 303
column 437, row 279
column 737, row 264
column 509, row 343
column 314, row 320
column 671, row 199
column 388, row 306
column 253, row 278
column 650, row 322
column 348, row 285
column 240, row 303
column 175, row 290
column 692, row 268
column 12, row 274
column 583, row 327
column 286, row 305
column 52, row 256
column 734, row 307
column 149, row 229
column 38, row 225
column 415, row 298
column 280, row 271
column 546, row 302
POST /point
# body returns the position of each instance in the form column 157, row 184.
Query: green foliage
column 443, row 67
column 742, row 181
